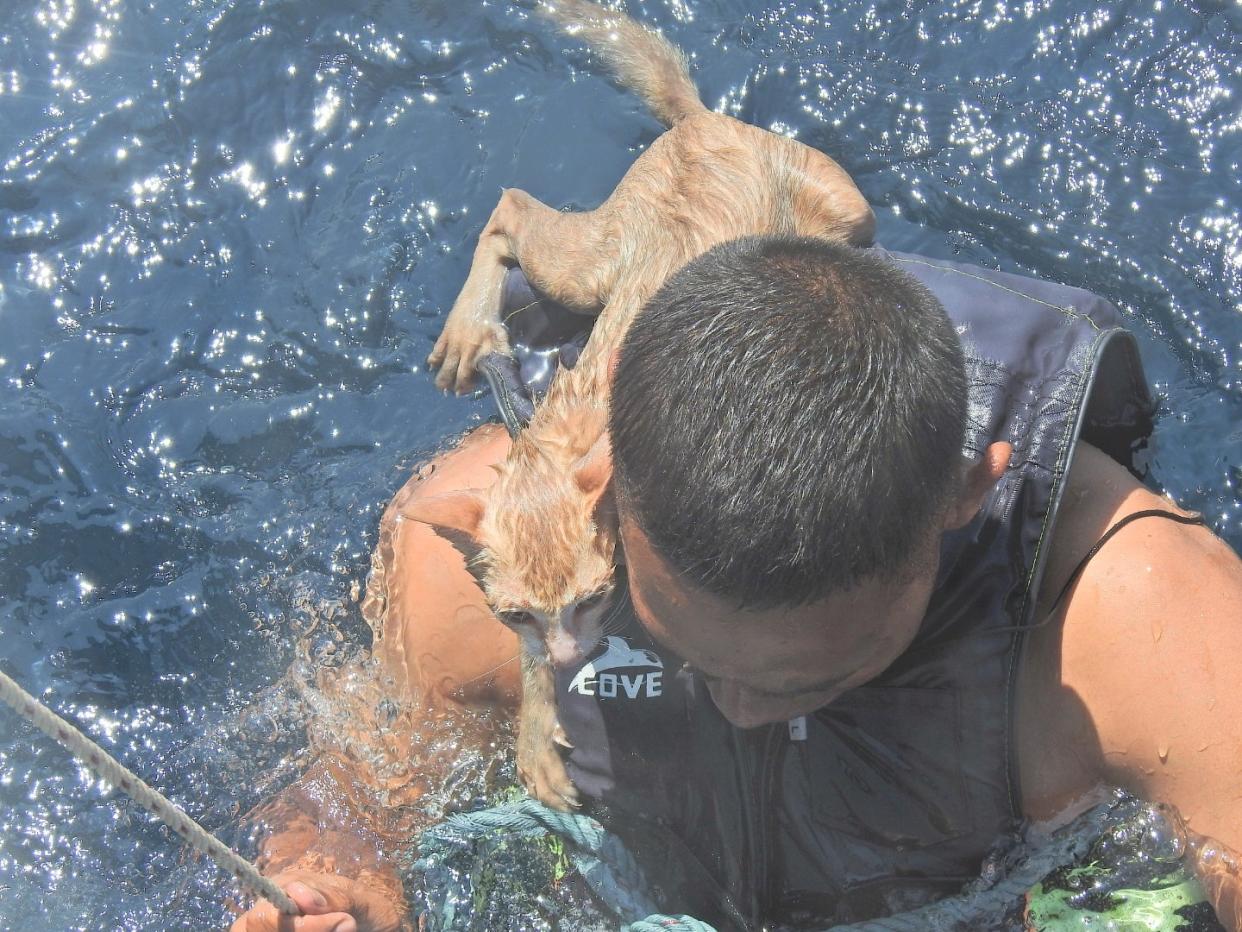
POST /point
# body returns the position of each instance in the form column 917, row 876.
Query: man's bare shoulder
column 1099, row 492
column 1135, row 679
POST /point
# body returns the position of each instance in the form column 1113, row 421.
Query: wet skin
column 770, row 665
column 765, row 667
column 1090, row 708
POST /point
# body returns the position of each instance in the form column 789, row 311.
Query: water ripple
column 229, row 232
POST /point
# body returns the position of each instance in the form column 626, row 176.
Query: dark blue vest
column 893, row 794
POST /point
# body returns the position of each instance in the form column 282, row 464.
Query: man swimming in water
column 901, row 586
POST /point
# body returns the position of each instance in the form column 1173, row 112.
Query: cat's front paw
column 464, row 341
column 540, row 764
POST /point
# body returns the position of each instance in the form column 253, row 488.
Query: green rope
column 600, row 857
column 977, row 905
column 668, row 924
column 616, row 878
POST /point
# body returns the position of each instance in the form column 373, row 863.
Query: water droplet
column 1157, row 631
column 1163, row 750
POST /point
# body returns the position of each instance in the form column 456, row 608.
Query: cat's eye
column 593, row 600
column 513, row 619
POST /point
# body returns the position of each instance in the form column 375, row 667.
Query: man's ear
column 455, row 516
column 593, row 472
column 977, row 481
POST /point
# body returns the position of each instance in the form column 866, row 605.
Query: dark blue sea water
column 229, row 233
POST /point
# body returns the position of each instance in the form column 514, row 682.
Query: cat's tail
column 642, row 60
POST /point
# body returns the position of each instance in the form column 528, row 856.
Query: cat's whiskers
column 486, row 673
column 615, row 621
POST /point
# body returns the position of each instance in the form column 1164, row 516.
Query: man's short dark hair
column 787, row 419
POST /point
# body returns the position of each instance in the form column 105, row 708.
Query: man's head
column 787, row 424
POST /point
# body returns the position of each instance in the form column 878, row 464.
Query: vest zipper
column 771, row 756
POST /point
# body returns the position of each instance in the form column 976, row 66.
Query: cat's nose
column 564, row 650
column 573, row 640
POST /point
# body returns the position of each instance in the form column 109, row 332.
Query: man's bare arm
column 440, row 648
column 324, row 838
column 1139, row 682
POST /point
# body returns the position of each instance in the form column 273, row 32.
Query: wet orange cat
column 542, row 539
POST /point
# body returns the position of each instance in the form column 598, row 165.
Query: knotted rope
column 616, row 878
column 108, row 768
column 600, row 856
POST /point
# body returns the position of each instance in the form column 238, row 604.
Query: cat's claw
column 548, row 782
column 559, row 736
column 456, row 354
column 540, row 763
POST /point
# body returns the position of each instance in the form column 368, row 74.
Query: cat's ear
column 455, row 516
column 593, row 472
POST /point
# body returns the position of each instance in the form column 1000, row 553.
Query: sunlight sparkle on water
column 326, row 109
column 1104, row 149
column 244, row 175
column 41, row 273
column 281, row 149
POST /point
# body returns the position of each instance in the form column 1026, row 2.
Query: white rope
column 113, row 771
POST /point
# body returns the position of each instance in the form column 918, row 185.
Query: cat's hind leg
column 825, row 201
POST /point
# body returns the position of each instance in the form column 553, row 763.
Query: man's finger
column 332, row 922
column 267, row 918
column 309, row 900
column 317, row 914
column 321, row 910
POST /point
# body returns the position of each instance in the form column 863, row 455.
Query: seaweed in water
column 1134, row 879
column 510, row 882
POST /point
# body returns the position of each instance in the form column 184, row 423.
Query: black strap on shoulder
column 1108, row 535
column 504, row 377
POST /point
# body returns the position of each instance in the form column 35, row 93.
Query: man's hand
column 329, row 903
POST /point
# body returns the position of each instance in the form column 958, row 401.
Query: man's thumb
column 309, row 900
column 313, row 902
